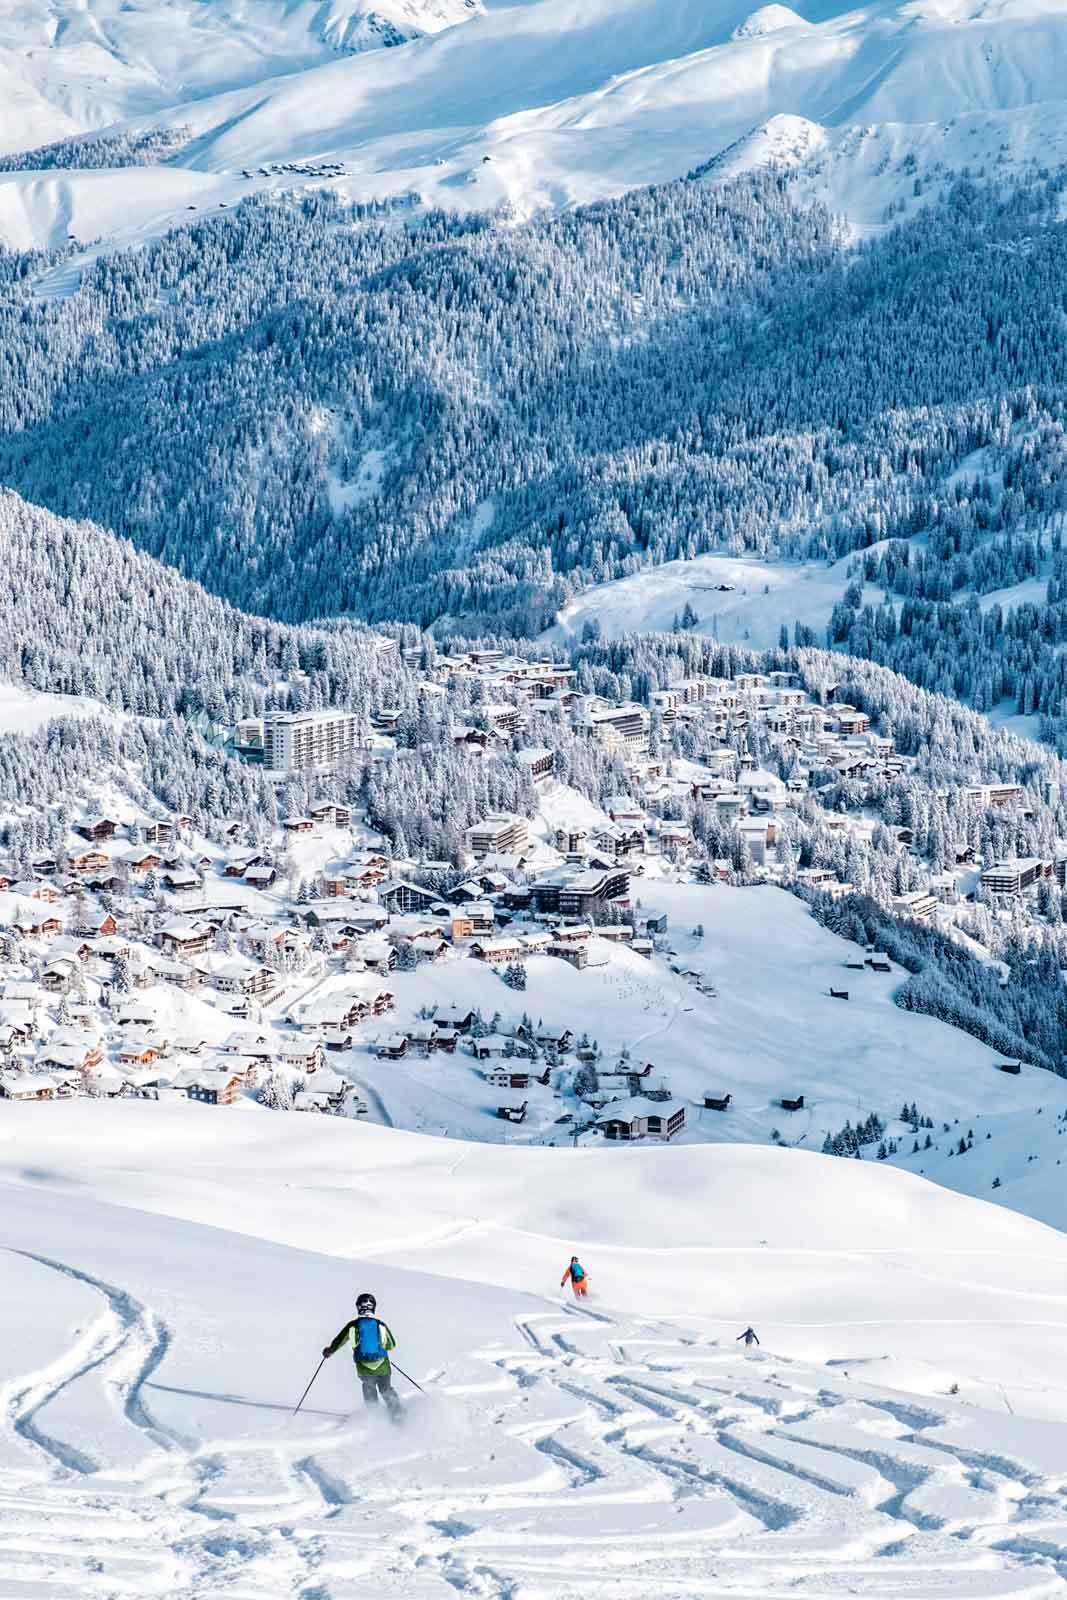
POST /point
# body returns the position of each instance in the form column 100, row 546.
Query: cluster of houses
column 298, row 972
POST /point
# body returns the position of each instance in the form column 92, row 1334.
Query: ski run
column 897, row 1432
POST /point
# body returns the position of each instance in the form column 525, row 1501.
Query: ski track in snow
column 600, row 1455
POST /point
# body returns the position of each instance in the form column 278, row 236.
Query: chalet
column 446, row 1040
column 36, row 924
column 572, row 932
column 333, row 912
column 492, row 1044
column 186, row 938
column 297, row 824
column 261, row 876
column 330, row 813
column 399, row 895
column 87, row 861
column 93, row 922
column 140, row 860
column 422, row 1038
column 497, row 951
column 512, row 1113
column 37, row 889
column 160, row 832
column 180, row 881
column 338, row 1039
column 306, row 1054
column 575, row 955
column 59, row 975
column 559, row 1039
column 481, row 914
column 456, row 1017
column 504, row 1078
column 96, row 828
column 176, row 973
column 429, row 947
column 394, row 1047
column 104, row 1082
column 878, row 961
column 376, row 953
column 238, row 865
column 362, row 879
column 71, row 1050
column 140, row 1052
column 254, row 1045
column 238, row 975
column 247, row 1068
column 27, row 1086
column 215, row 1088
column 107, row 882
column 639, row 1117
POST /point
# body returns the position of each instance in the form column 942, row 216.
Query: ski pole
column 307, row 1391
column 402, row 1373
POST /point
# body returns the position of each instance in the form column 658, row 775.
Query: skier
column 371, row 1340
column 750, row 1337
column 579, row 1281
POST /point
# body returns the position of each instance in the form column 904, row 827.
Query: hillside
column 67, row 69
column 878, row 1437
column 432, row 441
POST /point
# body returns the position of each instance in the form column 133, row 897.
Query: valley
column 533, row 758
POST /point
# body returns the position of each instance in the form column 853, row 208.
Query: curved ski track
column 599, row 1456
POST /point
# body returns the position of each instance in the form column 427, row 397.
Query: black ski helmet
column 366, row 1303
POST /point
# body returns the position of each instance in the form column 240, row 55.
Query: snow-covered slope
column 171, row 1272
column 549, row 102
column 738, row 600
column 743, row 1008
column 69, row 66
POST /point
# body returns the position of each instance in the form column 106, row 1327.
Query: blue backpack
column 368, row 1340
column 577, row 1272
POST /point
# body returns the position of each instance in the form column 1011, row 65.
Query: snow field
column 736, row 599
column 153, row 1350
column 748, row 1013
column 533, row 106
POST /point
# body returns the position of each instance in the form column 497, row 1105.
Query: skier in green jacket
column 371, row 1340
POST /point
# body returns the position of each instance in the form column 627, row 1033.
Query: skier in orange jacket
column 579, row 1280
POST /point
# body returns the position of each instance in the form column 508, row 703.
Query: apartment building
column 297, row 741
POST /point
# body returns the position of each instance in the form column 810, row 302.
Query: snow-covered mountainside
column 67, row 68
column 171, row 1277
column 539, row 104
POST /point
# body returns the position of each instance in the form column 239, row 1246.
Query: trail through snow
column 152, row 1351
column 599, row 1455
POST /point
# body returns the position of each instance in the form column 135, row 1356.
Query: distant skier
column 371, row 1340
column 579, row 1281
column 750, row 1337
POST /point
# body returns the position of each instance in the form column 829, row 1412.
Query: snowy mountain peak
column 768, row 19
